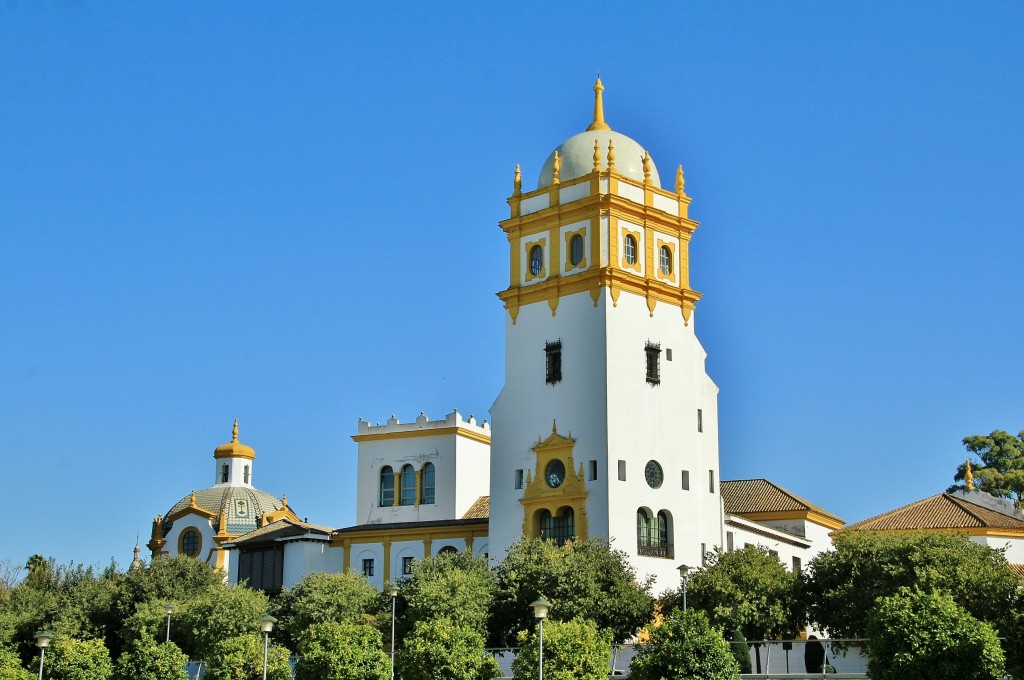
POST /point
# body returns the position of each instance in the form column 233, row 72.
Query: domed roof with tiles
column 576, row 154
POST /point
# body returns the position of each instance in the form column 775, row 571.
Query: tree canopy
column 318, row 598
column 582, row 579
column 459, row 587
column 685, row 645
column 1001, row 472
column 914, row 635
column 573, row 650
column 841, row 586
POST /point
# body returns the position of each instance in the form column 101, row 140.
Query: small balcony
column 663, row 550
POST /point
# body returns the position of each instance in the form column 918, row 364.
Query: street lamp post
column 393, row 592
column 684, row 576
column 540, row 611
column 266, row 625
column 43, row 638
column 168, row 608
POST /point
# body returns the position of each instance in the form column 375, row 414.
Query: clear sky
column 286, row 213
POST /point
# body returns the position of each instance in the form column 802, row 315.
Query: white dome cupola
column 233, row 462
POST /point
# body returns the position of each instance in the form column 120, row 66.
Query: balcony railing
column 656, row 550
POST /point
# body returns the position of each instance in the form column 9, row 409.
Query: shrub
column 342, row 651
column 440, row 649
column 915, row 635
column 573, row 650
column 71, row 659
column 147, row 660
column 241, row 658
column 685, row 645
column 10, row 666
column 320, row 597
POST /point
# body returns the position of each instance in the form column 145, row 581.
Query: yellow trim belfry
column 539, row 496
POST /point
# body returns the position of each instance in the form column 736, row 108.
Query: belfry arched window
column 666, row 260
column 558, row 528
column 576, row 249
column 408, row 486
column 536, row 260
column 387, row 486
column 630, row 250
column 428, row 484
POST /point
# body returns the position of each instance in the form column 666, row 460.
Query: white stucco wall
column 202, row 525
column 302, row 557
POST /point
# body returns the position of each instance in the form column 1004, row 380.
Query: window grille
column 428, row 484
column 553, row 361
column 387, row 486
column 368, row 567
column 407, row 483
column 653, row 352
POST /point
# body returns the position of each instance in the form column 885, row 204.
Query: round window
column 666, row 260
column 576, row 249
column 653, row 474
column 630, row 250
column 536, row 260
column 190, row 542
column 554, row 475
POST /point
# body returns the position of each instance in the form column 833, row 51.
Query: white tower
column 607, row 425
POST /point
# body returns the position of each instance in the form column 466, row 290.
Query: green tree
column 10, row 666
column 321, row 597
column 441, row 649
column 685, row 645
column 241, row 658
column 1001, row 472
column 71, row 659
column 840, row 586
column 746, row 590
column 582, row 579
column 1012, row 633
column 342, row 651
column 573, row 650
column 147, row 660
column 914, row 635
column 458, row 587
column 218, row 613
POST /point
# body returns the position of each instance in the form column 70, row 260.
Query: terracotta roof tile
column 747, row 496
column 282, row 528
column 942, row 511
column 1017, row 569
column 481, row 509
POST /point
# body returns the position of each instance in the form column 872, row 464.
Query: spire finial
column 647, row 167
column 611, row 155
column 597, row 156
column 598, row 123
column 234, row 432
column 517, row 183
column 554, row 426
column 556, row 168
column 680, row 182
column 968, row 477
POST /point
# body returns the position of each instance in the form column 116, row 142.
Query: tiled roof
column 481, row 509
column 244, row 506
column 749, row 496
column 943, row 511
column 1017, row 569
column 282, row 528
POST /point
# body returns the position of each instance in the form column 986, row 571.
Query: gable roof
column 761, row 499
column 942, row 511
column 281, row 529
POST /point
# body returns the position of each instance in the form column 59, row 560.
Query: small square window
column 407, row 566
column 668, row 354
column 797, row 566
column 703, row 554
column 622, row 470
column 368, row 567
column 653, row 353
column 729, row 538
column 592, row 469
column 686, row 480
column 519, row 479
column 553, row 361
column 700, row 420
column 711, row 481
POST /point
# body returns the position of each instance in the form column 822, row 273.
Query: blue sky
column 286, row 213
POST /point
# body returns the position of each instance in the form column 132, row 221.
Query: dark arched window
column 447, row 550
column 387, row 486
column 666, row 260
column 536, row 260
column 190, row 542
column 630, row 250
column 428, row 484
column 560, row 528
column 642, row 522
column 408, row 486
column 662, row 528
column 576, row 249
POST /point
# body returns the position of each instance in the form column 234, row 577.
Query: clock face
column 653, row 474
column 555, row 474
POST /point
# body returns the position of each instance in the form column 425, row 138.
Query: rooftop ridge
column 422, row 422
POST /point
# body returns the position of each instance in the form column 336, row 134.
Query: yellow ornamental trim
column 539, row 495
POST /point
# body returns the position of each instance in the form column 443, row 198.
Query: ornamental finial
column 234, row 432
column 611, row 155
column 647, row 167
column 556, row 168
column 597, row 156
column 968, row 477
column 598, row 123
column 517, row 183
column 554, row 426
column 680, row 182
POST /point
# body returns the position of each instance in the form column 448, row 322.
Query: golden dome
column 234, row 448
